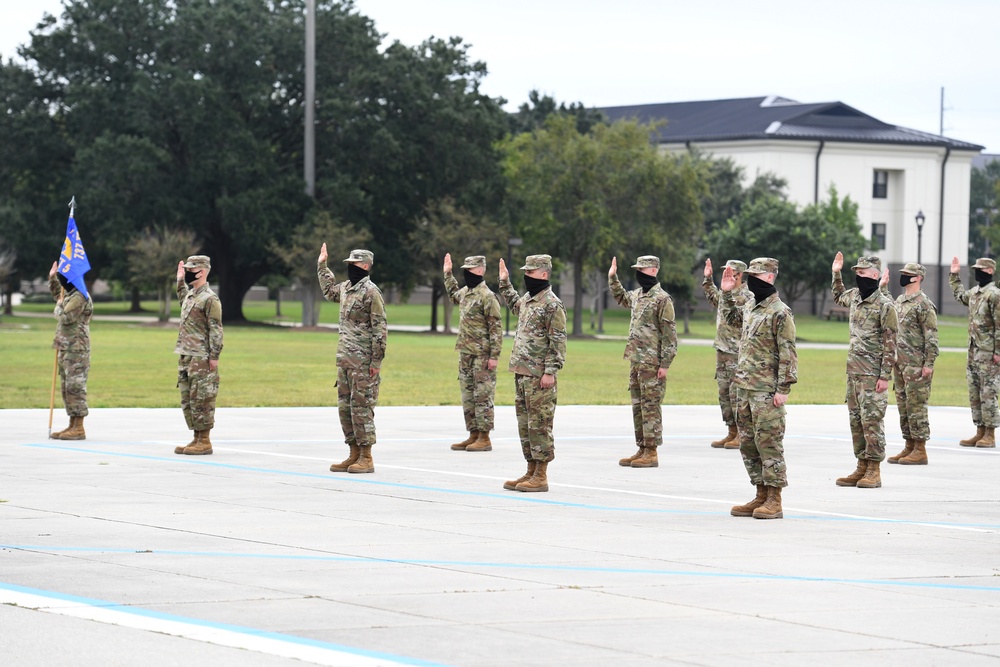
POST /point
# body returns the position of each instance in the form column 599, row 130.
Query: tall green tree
column 152, row 261
column 531, row 115
column 984, row 210
column 577, row 196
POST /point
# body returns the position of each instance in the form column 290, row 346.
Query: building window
column 880, row 186
column 878, row 235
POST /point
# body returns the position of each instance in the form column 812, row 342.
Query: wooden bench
column 840, row 313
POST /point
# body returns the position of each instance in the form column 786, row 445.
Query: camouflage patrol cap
column 198, row 262
column 360, row 257
column 913, row 269
column 647, row 262
column 985, row 263
column 763, row 265
column 868, row 263
column 532, row 262
column 737, row 266
column 475, row 262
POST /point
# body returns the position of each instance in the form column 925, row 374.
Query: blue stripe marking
column 148, row 613
column 517, row 497
column 525, row 566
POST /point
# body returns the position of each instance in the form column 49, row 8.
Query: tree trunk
column 435, row 295
column 687, row 318
column 600, row 302
column 277, row 302
column 578, row 296
column 310, row 303
column 449, row 308
column 136, row 306
column 164, row 294
column 8, row 304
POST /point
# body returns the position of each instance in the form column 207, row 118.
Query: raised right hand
column 447, row 262
column 180, row 270
column 322, row 254
column 955, row 266
column 838, row 262
column 503, row 270
column 728, row 279
column 614, row 267
column 708, row 267
column 54, row 269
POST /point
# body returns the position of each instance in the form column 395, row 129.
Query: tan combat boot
column 75, row 430
column 203, row 446
column 771, row 509
column 918, row 457
column 55, row 434
column 512, row 484
column 907, row 448
column 854, row 477
column 988, row 439
column 627, row 462
column 647, row 460
column 364, row 462
column 748, row 508
column 482, row 443
column 721, row 442
column 194, row 441
column 971, row 442
column 351, row 459
column 734, row 443
column 537, row 482
column 872, row 478
column 460, row 446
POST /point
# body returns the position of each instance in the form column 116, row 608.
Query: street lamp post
column 512, row 243
column 920, row 231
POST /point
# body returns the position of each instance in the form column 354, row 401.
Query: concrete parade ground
column 115, row 551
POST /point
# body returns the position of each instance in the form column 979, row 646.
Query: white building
column 893, row 173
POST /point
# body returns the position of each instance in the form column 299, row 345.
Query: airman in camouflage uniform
column 538, row 354
column 765, row 372
column 72, row 340
column 480, row 337
column 727, row 347
column 871, row 356
column 916, row 350
column 651, row 347
column 199, row 344
column 982, row 368
column 360, row 350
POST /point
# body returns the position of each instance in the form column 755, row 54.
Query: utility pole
column 309, row 151
column 941, row 123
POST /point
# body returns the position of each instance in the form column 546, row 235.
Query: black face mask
column 535, row 285
column 761, row 288
column 472, row 280
column 905, row 280
column 646, row 281
column 66, row 284
column 190, row 277
column 866, row 286
column 983, row 278
column 356, row 273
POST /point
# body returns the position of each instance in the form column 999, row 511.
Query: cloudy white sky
column 888, row 58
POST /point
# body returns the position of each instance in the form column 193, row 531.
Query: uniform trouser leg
column 74, row 367
column 983, row 379
column 535, row 408
column 762, row 433
column 357, row 395
column 646, row 391
column 199, row 387
column 913, row 391
column 478, row 387
column 725, row 370
column 866, row 408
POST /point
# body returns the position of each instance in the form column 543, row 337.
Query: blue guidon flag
column 73, row 262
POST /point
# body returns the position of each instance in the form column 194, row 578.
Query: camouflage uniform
column 72, row 340
column 871, row 356
column 539, row 349
column 199, row 340
column 480, row 337
column 361, row 347
column 727, row 341
column 768, row 364
column 916, row 349
column 652, row 345
column 981, row 372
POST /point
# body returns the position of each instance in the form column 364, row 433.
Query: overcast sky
column 887, row 58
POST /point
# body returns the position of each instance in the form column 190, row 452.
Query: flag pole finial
column 72, row 206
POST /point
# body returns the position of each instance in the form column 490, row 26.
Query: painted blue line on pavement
column 524, row 566
column 517, row 497
column 148, row 613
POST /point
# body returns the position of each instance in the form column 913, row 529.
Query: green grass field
column 133, row 365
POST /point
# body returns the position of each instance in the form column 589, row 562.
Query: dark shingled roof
column 775, row 118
